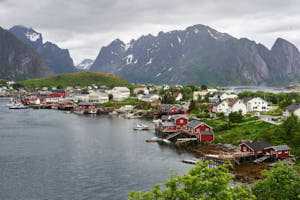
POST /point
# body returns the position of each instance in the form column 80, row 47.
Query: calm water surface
column 46, row 154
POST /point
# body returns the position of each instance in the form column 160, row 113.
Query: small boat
column 18, row 106
column 113, row 113
column 130, row 116
column 92, row 111
column 141, row 126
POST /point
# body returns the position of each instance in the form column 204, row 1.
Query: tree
column 168, row 98
column 201, row 182
column 203, row 87
column 235, row 117
column 281, row 182
column 110, row 97
column 192, row 106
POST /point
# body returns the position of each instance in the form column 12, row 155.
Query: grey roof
column 148, row 95
column 257, row 146
column 280, row 148
column 179, row 116
column 293, row 107
column 206, row 132
column 167, row 123
column 166, row 117
column 194, row 123
column 85, row 104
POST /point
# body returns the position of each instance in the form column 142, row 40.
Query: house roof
column 179, row 116
column 293, row 107
column 168, row 124
column 175, row 94
column 166, row 117
column 257, row 146
column 85, row 104
column 194, row 123
column 233, row 101
column 280, row 148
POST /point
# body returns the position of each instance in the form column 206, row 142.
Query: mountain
column 85, row 64
column 199, row 55
column 74, row 79
column 19, row 61
column 59, row 60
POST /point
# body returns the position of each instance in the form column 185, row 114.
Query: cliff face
column 59, row 60
column 199, row 55
column 18, row 61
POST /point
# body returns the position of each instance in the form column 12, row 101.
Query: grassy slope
column 81, row 78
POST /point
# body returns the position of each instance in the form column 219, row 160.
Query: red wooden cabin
column 257, row 148
column 280, row 151
column 202, row 131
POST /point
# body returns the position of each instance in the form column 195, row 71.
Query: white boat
column 113, row 113
column 130, row 116
column 141, row 126
column 18, row 106
column 92, row 111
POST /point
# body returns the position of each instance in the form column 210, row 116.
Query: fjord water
column 47, row 154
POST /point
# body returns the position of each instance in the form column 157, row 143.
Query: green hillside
column 75, row 79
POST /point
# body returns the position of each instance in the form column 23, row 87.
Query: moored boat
column 92, row 111
column 141, row 126
column 18, row 106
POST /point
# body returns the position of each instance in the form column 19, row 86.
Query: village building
column 280, row 151
column 221, row 107
column 171, row 109
column 257, row 104
column 97, row 97
column 120, row 93
column 237, row 105
column 150, row 97
column 225, row 96
column 172, row 123
column 202, row 131
column 155, row 103
column 178, row 96
column 141, row 90
column 86, row 106
column 81, row 97
column 292, row 109
column 256, row 148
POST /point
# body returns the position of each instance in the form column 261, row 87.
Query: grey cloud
column 84, row 26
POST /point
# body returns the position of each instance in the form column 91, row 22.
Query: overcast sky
column 84, row 26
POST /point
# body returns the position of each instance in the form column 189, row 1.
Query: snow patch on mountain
column 32, row 36
column 149, row 62
column 157, row 75
column 85, row 64
column 129, row 59
column 179, row 40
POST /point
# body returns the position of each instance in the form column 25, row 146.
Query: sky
column 84, row 26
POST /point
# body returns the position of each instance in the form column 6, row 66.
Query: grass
column 76, row 79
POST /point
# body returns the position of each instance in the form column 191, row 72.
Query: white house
column 150, row 97
column 144, row 90
column 97, row 97
column 237, row 105
column 178, row 96
column 120, row 93
column 257, row 104
column 228, row 96
column 221, row 107
column 196, row 94
column 294, row 108
column 81, row 97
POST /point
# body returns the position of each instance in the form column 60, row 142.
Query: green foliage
column 203, row 87
column 3, row 81
column 193, row 106
column 201, row 182
column 235, row 117
column 281, row 182
column 168, row 98
column 17, row 86
column 75, row 79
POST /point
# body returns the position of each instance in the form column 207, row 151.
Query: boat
column 130, row 116
column 92, row 111
column 141, row 126
column 113, row 113
column 18, row 106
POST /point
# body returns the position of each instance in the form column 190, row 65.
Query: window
column 279, row 152
column 181, row 121
column 207, row 129
column 259, row 151
column 286, row 151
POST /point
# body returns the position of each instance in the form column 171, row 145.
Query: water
column 47, row 154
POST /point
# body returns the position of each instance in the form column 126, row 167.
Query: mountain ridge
column 200, row 55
